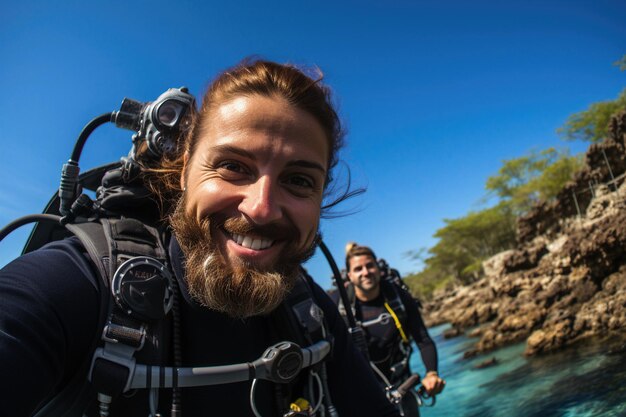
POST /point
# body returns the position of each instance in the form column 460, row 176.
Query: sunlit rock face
column 566, row 279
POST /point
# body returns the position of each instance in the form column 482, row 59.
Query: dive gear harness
column 139, row 295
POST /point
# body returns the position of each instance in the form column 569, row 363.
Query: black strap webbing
column 77, row 394
column 391, row 293
column 92, row 237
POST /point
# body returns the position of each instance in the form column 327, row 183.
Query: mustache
column 273, row 231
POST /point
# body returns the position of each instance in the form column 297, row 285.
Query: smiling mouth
column 250, row 242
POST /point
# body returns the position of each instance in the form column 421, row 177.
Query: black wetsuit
column 49, row 310
column 384, row 339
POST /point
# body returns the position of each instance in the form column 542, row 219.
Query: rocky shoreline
column 566, row 279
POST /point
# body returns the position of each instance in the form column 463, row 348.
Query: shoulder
column 54, row 287
column 407, row 299
column 57, row 264
column 56, row 282
column 48, row 319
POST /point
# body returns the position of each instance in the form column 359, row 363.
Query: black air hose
column 356, row 331
column 31, row 218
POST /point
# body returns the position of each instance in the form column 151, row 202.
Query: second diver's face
column 253, row 194
column 365, row 276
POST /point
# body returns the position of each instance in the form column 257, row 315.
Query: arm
column 353, row 386
column 48, row 319
column 431, row 381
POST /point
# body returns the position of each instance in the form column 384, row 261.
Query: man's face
column 255, row 183
column 364, row 273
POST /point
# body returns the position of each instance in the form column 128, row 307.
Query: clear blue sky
column 435, row 94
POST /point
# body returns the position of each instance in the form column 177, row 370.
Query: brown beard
column 239, row 289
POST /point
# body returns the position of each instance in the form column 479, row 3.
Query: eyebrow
column 307, row 164
column 235, row 150
column 302, row 163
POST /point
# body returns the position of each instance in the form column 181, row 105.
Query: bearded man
column 246, row 186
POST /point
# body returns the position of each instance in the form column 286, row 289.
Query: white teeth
column 252, row 243
column 238, row 238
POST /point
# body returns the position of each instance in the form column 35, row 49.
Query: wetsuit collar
column 177, row 258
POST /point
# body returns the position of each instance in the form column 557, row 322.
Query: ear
column 183, row 176
column 349, row 276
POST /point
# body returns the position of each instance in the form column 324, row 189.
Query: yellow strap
column 300, row 405
column 397, row 321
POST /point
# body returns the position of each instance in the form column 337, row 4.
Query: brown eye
column 232, row 170
column 231, row 166
column 300, row 185
column 300, row 181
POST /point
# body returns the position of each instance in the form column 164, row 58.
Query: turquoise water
column 587, row 380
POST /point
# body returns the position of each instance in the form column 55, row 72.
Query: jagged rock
column 452, row 332
column 598, row 207
column 473, row 315
column 494, row 266
column 606, row 311
column 524, row 320
column 554, row 291
column 524, row 259
column 549, row 339
column 545, row 218
column 556, row 245
column 566, row 279
column 477, row 332
column 493, row 339
column 487, row 363
column 466, row 318
column 470, row 353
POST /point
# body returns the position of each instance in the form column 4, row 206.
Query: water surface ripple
column 583, row 381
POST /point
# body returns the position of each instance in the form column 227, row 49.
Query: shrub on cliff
column 592, row 124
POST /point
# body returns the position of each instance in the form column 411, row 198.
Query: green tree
column 538, row 176
column 464, row 243
column 555, row 175
column 592, row 124
column 462, row 246
column 424, row 283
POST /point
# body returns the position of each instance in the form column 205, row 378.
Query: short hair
column 251, row 78
column 357, row 250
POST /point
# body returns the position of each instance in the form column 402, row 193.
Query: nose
column 260, row 202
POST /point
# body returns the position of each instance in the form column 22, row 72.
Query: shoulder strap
column 342, row 308
column 93, row 239
column 299, row 316
column 126, row 329
column 77, row 394
column 109, row 243
column 300, row 319
column 395, row 307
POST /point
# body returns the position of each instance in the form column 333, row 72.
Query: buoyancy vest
column 135, row 346
column 138, row 298
column 390, row 292
column 396, row 312
column 138, row 320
